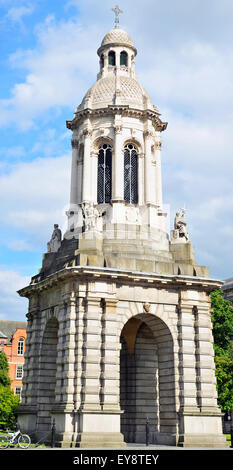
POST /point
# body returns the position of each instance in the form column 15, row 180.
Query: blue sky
column 48, row 61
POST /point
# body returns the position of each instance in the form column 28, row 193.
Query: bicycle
column 23, row 440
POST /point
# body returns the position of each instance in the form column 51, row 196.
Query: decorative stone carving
column 92, row 217
column 158, row 145
column 146, row 307
column 118, row 129
column 87, row 133
column 54, row 244
column 180, row 232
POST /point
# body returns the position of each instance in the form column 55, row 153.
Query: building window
column 19, row 372
column 112, row 58
column 20, row 347
column 104, row 183
column 124, row 59
column 130, row 174
column 18, row 391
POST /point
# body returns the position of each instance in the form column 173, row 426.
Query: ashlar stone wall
column 108, row 348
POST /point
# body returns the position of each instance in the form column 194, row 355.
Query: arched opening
column 47, row 374
column 111, row 58
column 124, row 59
column 104, row 183
column 130, row 174
column 147, row 388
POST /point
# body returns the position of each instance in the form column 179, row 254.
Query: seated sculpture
column 180, row 225
column 54, row 244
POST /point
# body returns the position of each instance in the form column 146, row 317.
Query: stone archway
column 47, row 374
column 147, row 383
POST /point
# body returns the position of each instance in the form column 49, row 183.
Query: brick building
column 12, row 342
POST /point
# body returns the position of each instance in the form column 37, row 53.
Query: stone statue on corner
column 54, row 244
column 180, row 233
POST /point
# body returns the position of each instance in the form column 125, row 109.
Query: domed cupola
column 117, row 52
column 116, row 141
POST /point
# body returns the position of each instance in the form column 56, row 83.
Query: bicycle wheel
column 4, row 441
column 24, row 441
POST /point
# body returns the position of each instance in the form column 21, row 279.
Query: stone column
column 27, row 413
column 94, row 176
column 205, row 365
column 110, row 400
column 187, row 363
column 200, row 419
column 63, row 409
column 148, row 178
column 141, row 190
column 66, row 355
column 91, row 355
column 87, row 166
column 74, row 172
column 158, row 175
column 118, row 166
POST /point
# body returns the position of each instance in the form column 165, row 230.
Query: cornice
column 120, row 275
column 123, row 110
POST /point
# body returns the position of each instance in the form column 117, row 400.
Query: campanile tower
column 119, row 322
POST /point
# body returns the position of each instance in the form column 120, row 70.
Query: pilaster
column 110, row 400
column 205, row 365
column 87, row 164
column 148, row 167
column 118, row 164
column 74, row 173
column 187, row 361
column 90, row 380
column 158, row 174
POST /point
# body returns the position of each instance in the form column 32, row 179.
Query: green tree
column 222, row 319
column 9, row 402
column 4, row 368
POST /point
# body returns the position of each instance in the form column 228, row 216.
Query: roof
column 8, row 328
column 117, row 36
column 129, row 92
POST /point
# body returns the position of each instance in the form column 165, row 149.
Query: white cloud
column 58, row 71
column 35, row 194
column 12, row 307
column 15, row 14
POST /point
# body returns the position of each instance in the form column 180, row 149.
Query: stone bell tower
column 119, row 323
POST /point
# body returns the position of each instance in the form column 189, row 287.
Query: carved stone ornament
column 180, row 224
column 118, row 129
column 54, row 244
column 92, row 218
column 158, row 145
column 87, row 133
column 146, row 307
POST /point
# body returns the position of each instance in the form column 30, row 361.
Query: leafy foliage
column 4, row 368
column 224, row 374
column 222, row 319
column 9, row 402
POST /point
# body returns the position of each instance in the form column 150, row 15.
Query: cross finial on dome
column 117, row 11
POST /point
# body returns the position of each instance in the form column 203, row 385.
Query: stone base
column 203, row 441
column 202, row 429
column 104, row 439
